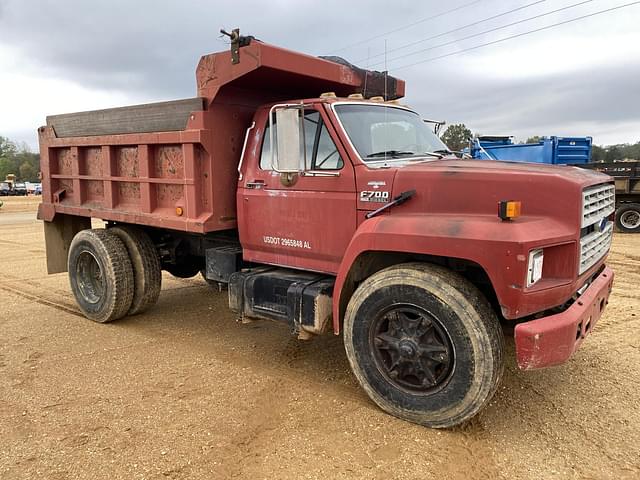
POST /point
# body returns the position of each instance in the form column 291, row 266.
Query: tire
column 147, row 273
column 101, row 275
column 628, row 217
column 424, row 344
column 187, row 268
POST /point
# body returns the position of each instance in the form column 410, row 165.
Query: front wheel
column 628, row 217
column 424, row 344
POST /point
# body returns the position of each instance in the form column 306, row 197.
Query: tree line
column 18, row 160
column 457, row 136
column 615, row 152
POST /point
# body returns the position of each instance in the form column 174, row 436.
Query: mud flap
column 58, row 234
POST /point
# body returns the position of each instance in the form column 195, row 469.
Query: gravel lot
column 184, row 391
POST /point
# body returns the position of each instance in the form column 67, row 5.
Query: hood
column 457, row 166
column 476, row 187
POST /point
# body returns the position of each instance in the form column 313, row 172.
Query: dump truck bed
column 160, row 179
column 174, row 164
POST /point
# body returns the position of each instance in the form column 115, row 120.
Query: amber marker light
column 509, row 209
column 179, row 211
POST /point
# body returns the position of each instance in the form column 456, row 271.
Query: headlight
column 534, row 268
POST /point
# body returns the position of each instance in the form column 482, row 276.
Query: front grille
column 598, row 202
column 594, row 246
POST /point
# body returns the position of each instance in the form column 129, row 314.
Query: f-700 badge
column 374, row 196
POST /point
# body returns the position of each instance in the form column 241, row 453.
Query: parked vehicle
column 627, row 182
column 20, row 189
column 5, row 189
column 549, row 150
column 338, row 212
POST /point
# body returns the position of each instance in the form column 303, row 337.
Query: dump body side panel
column 161, row 179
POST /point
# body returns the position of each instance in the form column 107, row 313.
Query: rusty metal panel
column 169, row 161
column 93, row 163
column 65, row 160
column 128, row 194
column 94, row 192
column 127, row 162
column 170, row 196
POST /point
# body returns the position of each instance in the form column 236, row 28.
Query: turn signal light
column 509, row 209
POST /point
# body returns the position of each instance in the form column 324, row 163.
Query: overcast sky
column 581, row 78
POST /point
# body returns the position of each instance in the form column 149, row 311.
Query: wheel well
column 368, row 263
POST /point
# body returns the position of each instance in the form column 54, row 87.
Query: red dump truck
column 302, row 185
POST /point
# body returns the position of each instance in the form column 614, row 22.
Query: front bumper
column 551, row 340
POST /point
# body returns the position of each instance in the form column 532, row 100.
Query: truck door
column 303, row 220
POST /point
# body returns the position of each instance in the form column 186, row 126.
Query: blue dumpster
column 552, row 150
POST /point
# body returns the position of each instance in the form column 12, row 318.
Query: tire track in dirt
column 38, row 298
column 37, row 251
column 230, row 355
column 628, row 256
column 223, row 353
column 38, row 285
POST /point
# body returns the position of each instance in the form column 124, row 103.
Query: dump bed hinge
column 237, row 41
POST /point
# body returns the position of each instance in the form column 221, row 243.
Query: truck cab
column 356, row 156
column 304, row 187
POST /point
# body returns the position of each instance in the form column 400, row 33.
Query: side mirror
column 289, row 141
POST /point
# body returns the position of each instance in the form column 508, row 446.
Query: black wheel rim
column 90, row 277
column 630, row 219
column 412, row 349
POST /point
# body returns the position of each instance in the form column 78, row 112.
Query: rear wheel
column 424, row 344
column 101, row 275
column 146, row 267
column 628, row 218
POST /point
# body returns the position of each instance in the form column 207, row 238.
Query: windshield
column 381, row 131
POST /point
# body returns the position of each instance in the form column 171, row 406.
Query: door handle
column 256, row 184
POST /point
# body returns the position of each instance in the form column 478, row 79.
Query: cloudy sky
column 579, row 78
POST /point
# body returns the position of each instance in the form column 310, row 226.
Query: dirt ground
column 184, row 391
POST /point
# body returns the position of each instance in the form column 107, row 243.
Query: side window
column 326, row 156
column 312, row 121
column 265, row 155
column 320, row 151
